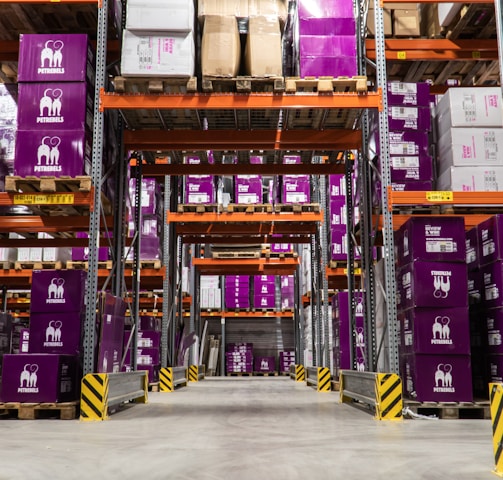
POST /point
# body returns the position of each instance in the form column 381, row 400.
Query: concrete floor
column 245, row 428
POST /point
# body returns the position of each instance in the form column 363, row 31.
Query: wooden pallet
column 153, row 387
column 47, row 184
column 33, row 411
column 39, row 265
column 249, row 208
column 336, row 386
column 264, row 310
column 6, row 265
column 161, row 85
column 326, row 84
column 242, row 84
column 265, row 374
column 473, row 21
column 84, row 265
column 297, row 207
column 197, row 207
column 451, row 410
column 269, row 254
column 237, row 310
column 240, row 374
column 154, row 264
column 319, row 119
column 236, row 254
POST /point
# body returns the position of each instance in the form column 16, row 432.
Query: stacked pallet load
column 264, row 365
column 239, row 358
column 295, row 189
column 211, row 294
column 248, row 188
column 8, row 129
column 286, row 360
column 237, row 292
column 432, row 280
column 287, row 290
column 199, row 189
column 264, row 292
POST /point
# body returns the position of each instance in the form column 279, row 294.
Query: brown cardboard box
column 237, row 8
column 406, row 23
column 263, row 47
column 388, row 30
column 220, row 46
column 268, row 8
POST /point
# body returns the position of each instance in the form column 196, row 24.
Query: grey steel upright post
column 194, row 285
column 138, row 217
column 387, row 216
column 166, row 259
column 323, row 270
column 96, row 172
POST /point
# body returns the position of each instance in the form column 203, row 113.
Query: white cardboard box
column 165, row 55
column 447, row 12
column 160, row 15
column 471, row 179
column 470, row 107
column 470, row 147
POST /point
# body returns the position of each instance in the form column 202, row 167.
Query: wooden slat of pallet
column 249, row 207
column 473, row 21
column 154, row 264
column 21, row 265
column 242, row 84
column 236, row 254
column 239, row 374
column 84, row 265
column 265, row 374
column 297, row 207
column 269, row 254
column 47, row 184
column 451, row 410
column 326, row 84
column 32, row 411
column 159, row 85
column 197, row 207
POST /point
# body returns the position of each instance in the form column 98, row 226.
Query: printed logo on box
column 53, row 334
column 443, row 379
column 441, row 283
column 48, row 150
column 28, row 379
column 51, row 58
column 50, row 106
column 360, row 365
column 56, row 291
column 441, row 331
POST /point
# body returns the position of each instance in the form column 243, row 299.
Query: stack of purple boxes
column 239, row 358
column 148, row 355
column 199, row 189
column 432, row 284
column 237, row 292
column 342, row 334
column 295, row 188
column 264, row 292
column 151, row 219
column 49, row 372
column 287, row 292
column 327, row 38
column 286, row 359
column 55, row 108
column 248, row 188
column 409, row 121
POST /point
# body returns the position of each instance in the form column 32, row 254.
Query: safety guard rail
column 196, row 373
column 320, row 378
column 381, row 391
column 171, row 377
column 101, row 391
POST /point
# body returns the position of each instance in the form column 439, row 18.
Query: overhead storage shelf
column 245, row 266
column 485, row 199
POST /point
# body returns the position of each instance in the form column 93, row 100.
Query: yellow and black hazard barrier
column 100, row 391
column 496, row 400
column 319, row 377
column 196, row 373
column 171, row 377
column 382, row 391
column 298, row 373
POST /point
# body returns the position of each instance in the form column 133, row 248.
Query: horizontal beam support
column 47, row 224
column 238, row 217
column 343, row 139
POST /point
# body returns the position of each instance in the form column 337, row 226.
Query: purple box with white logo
column 248, row 190
column 111, row 344
column 56, row 332
column 338, row 212
column 144, row 356
column 55, row 106
column 337, row 186
column 202, row 191
column 408, row 142
column 55, row 58
column 295, row 190
column 258, row 280
column 233, row 302
column 331, row 66
column 409, row 118
column 236, row 279
column 56, row 153
column 492, row 280
column 432, row 238
column 472, row 248
column 411, row 168
column 409, row 94
column 39, row 378
column 338, row 243
column 437, row 378
column 264, row 301
column 264, row 364
column 494, row 321
column 264, row 288
column 490, row 239
column 435, row 331
column 148, row 339
column 433, row 284
column 58, row 290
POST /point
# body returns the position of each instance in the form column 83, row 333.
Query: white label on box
column 403, row 87
column 402, row 148
column 296, row 197
column 444, row 246
column 407, row 113
column 405, row 162
column 469, row 107
column 198, row 198
column 247, row 198
column 490, row 146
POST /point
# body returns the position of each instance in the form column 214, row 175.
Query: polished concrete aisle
column 245, row 428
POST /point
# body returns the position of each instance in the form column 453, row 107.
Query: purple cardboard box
column 47, row 152
column 412, row 167
column 490, row 240
column 492, row 278
column 264, row 364
column 432, row 238
column 475, row 287
column 264, row 288
column 55, row 106
column 248, row 190
column 327, row 26
column 58, row 290
column 321, row 9
column 144, row 356
column 338, row 212
column 258, row 280
column 331, row 66
column 433, row 284
column 151, row 197
column 264, row 301
column 111, row 344
column 56, row 332
column 150, row 323
column 495, row 368
column 281, row 247
column 235, row 279
column 202, row 191
column 152, row 372
column 338, row 243
column 437, row 378
column 39, row 378
column 409, row 94
column 235, row 303
column 408, row 142
column 435, row 331
column 327, row 45
column 55, row 58
column 149, row 339
column 337, row 186
column 409, row 118
column 472, row 248
column 494, row 322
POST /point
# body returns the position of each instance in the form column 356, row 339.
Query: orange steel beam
column 247, row 314
column 254, row 266
column 343, row 139
column 48, row 224
column 244, row 217
column 219, row 101
column 444, row 198
column 48, row 199
column 161, row 170
column 435, row 49
column 471, row 219
column 241, row 238
column 207, row 230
